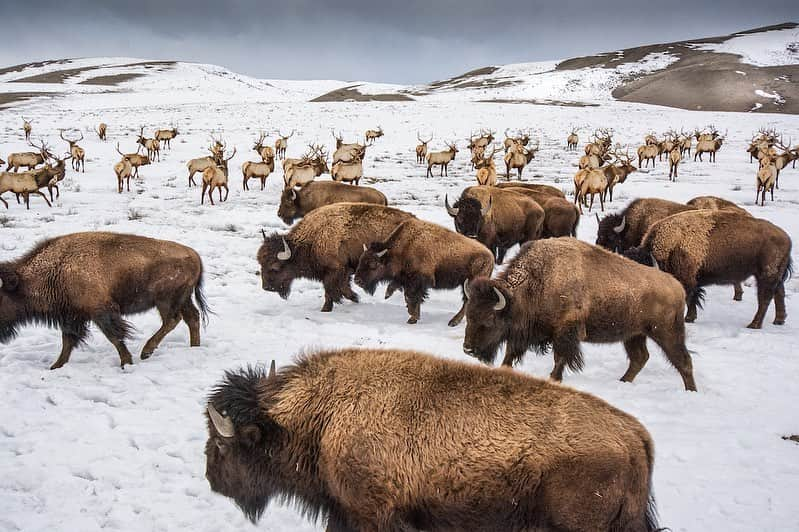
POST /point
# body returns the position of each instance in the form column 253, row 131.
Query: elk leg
column 116, row 330
column 128, row 182
column 202, row 194
column 69, row 340
column 673, row 344
column 592, row 202
column 263, row 183
column 637, row 355
column 227, row 191
column 191, row 178
column 39, row 192
column 739, row 292
column 27, row 199
column 601, row 202
column 765, row 293
column 772, row 193
column 169, row 320
column 779, row 303
column 4, row 202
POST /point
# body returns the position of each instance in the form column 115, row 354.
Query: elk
column 78, row 154
column 675, row 157
column 101, row 131
column 260, row 170
column 123, row 170
column 572, row 139
column 484, row 139
column 521, row 139
column 135, row 159
column 685, row 143
column 487, row 170
column 442, row 159
column 766, row 179
column 373, row 134
column 282, row 143
column 50, row 175
column 781, row 160
column 421, row 149
column 589, row 161
column 21, row 183
column 302, row 171
column 710, row 146
column 650, row 139
column 350, row 172
column 667, row 144
column 215, row 177
column 647, row 153
column 27, row 128
column 265, row 152
column 153, row 146
column 519, row 157
column 590, row 181
column 617, row 172
column 347, row 152
column 29, row 159
column 165, row 136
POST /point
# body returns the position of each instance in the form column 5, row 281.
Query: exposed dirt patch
column 485, row 71
column 112, row 80
column 351, row 93
column 59, row 76
column 8, row 98
column 20, row 68
column 558, row 103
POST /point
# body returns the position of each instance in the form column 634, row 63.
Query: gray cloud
column 412, row 41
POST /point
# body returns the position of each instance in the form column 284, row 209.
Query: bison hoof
column 127, row 360
column 412, row 320
column 737, row 298
column 779, row 321
column 56, row 365
column 327, row 308
column 453, row 322
column 753, row 325
column 146, row 354
column 690, row 319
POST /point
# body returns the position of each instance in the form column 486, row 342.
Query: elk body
column 560, row 292
column 487, row 170
column 50, row 175
column 441, row 159
column 647, row 153
column 265, row 152
column 78, row 154
column 766, row 180
column 216, row 177
column 421, row 148
column 350, row 172
column 136, row 160
column 373, row 134
column 517, row 158
column 300, row 172
column 27, row 127
column 123, row 171
column 164, row 137
column 708, row 146
column 591, row 181
column 261, row 170
column 69, row 281
column 21, row 183
column 101, row 131
column 153, row 146
column 347, row 152
column 497, row 431
column 617, row 172
column 29, row 159
column 675, row 158
column 281, row 143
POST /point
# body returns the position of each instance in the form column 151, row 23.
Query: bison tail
column 651, row 516
column 788, row 273
column 199, row 297
column 576, row 223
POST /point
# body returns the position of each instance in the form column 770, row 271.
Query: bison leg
column 338, row 524
column 457, row 318
column 739, row 292
column 334, row 284
column 116, row 330
column 413, row 302
column 191, row 316
column 765, row 293
column 672, row 341
column 566, row 351
column 71, row 337
column 779, row 303
column 392, row 287
column 637, row 355
column 513, row 354
column 170, row 320
column 692, row 299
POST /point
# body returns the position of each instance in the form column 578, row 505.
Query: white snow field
column 92, row 447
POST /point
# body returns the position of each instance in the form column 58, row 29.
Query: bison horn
column 381, row 253
column 293, row 195
column 1, row 283
column 466, row 288
column 450, row 210
column 501, row 302
column 272, row 371
column 619, row 228
column 654, row 262
column 286, row 253
column 222, row 424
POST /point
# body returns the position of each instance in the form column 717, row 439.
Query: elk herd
column 643, row 279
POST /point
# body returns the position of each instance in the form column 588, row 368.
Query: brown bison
column 715, row 204
column 497, row 218
column 68, row 281
column 297, row 202
column 559, row 292
column 325, row 246
column 561, row 217
column 396, row 440
column 701, row 248
column 420, row 255
column 546, row 189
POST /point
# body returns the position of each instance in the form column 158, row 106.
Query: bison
column 68, row 281
column 561, row 217
column 296, row 203
column 536, row 187
column 497, row 218
column 325, row 246
column 701, row 248
column 559, row 292
column 370, row 439
column 715, row 203
column 420, row 255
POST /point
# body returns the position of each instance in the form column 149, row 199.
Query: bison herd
column 396, row 440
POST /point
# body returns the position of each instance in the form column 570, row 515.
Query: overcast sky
column 403, row 42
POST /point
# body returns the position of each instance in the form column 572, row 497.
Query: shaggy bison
column 559, row 292
column 561, row 217
column 715, row 204
column 325, row 246
column 71, row 280
column 705, row 247
column 420, row 255
column 296, row 203
column 497, row 218
column 545, row 189
column 396, row 440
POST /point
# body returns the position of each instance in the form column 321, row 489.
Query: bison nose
column 468, row 349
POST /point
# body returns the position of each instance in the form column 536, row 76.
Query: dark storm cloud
column 410, row 41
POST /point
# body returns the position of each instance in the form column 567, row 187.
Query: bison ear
column 251, row 435
column 9, row 281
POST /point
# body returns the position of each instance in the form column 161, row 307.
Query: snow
column 91, row 447
column 768, row 48
column 771, row 95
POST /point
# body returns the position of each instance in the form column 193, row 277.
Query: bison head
column 289, row 209
column 9, row 311
column 278, row 267
column 610, row 234
column 372, row 266
column 488, row 318
column 468, row 214
column 242, row 450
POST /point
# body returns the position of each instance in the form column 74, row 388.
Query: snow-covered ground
column 91, row 447
column 771, row 48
